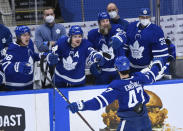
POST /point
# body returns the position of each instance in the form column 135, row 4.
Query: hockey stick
column 60, row 93
column 44, row 82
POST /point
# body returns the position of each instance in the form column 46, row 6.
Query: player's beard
column 105, row 30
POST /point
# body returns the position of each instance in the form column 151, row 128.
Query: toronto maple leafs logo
column 136, row 50
column 145, row 12
column 58, row 31
column 69, row 64
column 4, row 40
column 162, row 41
column 108, row 50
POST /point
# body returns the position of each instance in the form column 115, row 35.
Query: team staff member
column 113, row 11
column 49, row 32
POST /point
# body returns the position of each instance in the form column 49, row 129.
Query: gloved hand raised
column 99, row 59
column 116, row 41
column 52, row 59
column 157, row 61
column 76, row 106
column 23, row 67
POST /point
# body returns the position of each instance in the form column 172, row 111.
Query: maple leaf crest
column 68, row 63
column 136, row 50
column 108, row 50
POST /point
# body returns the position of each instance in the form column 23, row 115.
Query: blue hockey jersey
column 129, row 92
column 71, row 66
column 15, row 54
column 5, row 38
column 101, row 43
column 121, row 22
column 144, row 44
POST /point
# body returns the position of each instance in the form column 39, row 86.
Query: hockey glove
column 157, row 61
column 23, row 67
column 116, row 41
column 52, row 59
column 95, row 69
column 76, row 106
column 145, row 70
column 98, row 58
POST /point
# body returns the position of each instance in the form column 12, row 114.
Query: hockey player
column 19, row 60
column 169, row 68
column 102, row 39
column 73, row 51
column 130, row 94
column 5, row 39
column 145, row 42
column 1, row 77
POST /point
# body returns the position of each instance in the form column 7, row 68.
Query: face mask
column 113, row 14
column 144, row 22
column 49, row 19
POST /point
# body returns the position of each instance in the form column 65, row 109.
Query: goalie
column 145, row 43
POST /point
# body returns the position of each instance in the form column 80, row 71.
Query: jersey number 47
column 134, row 94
